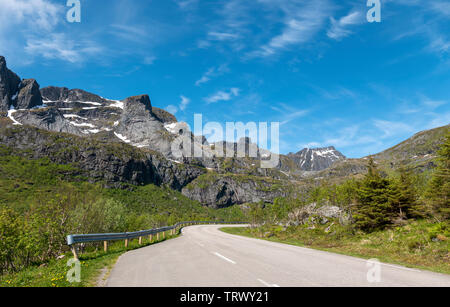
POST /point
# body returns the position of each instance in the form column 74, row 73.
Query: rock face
column 9, row 86
column 223, row 191
column 46, row 118
column 115, row 164
column 55, row 94
column 29, row 95
column 314, row 213
column 316, row 159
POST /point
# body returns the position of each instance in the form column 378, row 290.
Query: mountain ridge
column 129, row 141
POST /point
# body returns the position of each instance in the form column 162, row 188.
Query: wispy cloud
column 223, row 95
column 39, row 14
column 301, row 23
column 288, row 113
column 212, row 73
column 181, row 107
column 184, row 102
column 391, row 128
column 59, row 46
column 221, row 36
column 134, row 33
column 339, row 28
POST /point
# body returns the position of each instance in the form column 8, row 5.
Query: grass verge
column 95, row 264
column 420, row 244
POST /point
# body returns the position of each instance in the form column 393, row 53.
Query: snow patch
column 74, row 116
column 171, row 128
column 91, row 103
column 121, row 137
column 10, row 115
column 82, row 125
column 117, row 104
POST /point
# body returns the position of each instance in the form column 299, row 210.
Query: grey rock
column 117, row 164
column 29, row 95
column 219, row 191
column 316, row 159
column 314, row 212
column 9, row 83
column 48, row 119
column 141, row 128
column 53, row 93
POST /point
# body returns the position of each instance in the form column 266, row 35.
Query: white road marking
column 267, row 284
column 224, row 258
column 400, row 267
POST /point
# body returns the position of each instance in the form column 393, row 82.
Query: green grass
column 420, row 244
column 95, row 265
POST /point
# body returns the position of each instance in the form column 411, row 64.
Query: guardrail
column 106, row 237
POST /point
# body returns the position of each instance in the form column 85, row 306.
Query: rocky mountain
column 316, row 159
column 131, row 142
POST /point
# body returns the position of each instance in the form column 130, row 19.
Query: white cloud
column 59, row 46
column 350, row 136
column 149, row 60
column 288, row 113
column 339, row 28
column 184, row 102
column 172, row 109
column 181, row 107
column 221, row 36
column 440, row 7
column 39, row 14
column 390, row 128
column 185, row 4
column 223, row 95
column 212, row 73
column 301, row 23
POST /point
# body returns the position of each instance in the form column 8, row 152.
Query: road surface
column 204, row 256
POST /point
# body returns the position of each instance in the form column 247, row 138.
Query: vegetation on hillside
column 402, row 217
column 42, row 202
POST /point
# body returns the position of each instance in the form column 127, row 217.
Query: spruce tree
column 403, row 197
column 438, row 191
column 373, row 209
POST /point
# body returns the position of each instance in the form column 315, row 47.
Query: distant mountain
column 129, row 142
column 417, row 153
column 316, row 159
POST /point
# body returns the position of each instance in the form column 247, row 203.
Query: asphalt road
column 206, row 257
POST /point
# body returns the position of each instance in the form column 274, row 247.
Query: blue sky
column 317, row 67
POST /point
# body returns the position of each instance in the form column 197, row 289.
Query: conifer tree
column 373, row 209
column 403, row 197
column 438, row 191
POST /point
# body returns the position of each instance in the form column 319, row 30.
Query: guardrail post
column 74, row 252
column 164, row 234
column 126, row 242
column 105, row 246
column 140, row 240
column 157, row 236
column 150, row 238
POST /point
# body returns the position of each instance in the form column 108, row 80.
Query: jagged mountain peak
column 138, row 101
column 316, row 159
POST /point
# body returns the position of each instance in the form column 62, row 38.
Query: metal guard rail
column 74, row 239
